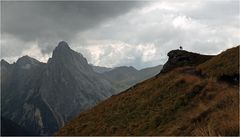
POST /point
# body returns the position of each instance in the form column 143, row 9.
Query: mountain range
column 42, row 97
column 194, row 95
column 124, row 77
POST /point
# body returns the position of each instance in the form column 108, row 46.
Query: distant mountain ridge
column 100, row 69
column 124, row 77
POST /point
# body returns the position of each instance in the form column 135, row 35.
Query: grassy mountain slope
column 224, row 64
column 180, row 102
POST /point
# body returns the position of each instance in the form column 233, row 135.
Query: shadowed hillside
column 186, row 100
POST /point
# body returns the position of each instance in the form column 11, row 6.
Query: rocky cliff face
column 69, row 77
column 179, row 58
column 21, row 100
column 42, row 97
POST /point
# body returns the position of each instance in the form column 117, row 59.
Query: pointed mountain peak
column 64, row 55
column 62, row 49
column 62, row 45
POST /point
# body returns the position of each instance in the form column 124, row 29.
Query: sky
column 118, row 33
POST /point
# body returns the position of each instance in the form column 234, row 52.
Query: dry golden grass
column 226, row 63
column 172, row 104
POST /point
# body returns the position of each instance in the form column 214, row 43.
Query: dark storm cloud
column 119, row 33
column 29, row 20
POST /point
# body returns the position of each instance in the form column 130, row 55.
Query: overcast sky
column 119, row 33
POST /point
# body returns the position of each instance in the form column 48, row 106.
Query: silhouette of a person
column 180, row 48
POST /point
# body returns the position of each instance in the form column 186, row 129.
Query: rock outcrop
column 180, row 58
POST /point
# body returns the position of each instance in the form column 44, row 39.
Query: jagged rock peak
column 63, row 54
column 63, row 45
column 62, row 49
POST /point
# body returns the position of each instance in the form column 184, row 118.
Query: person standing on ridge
column 181, row 48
